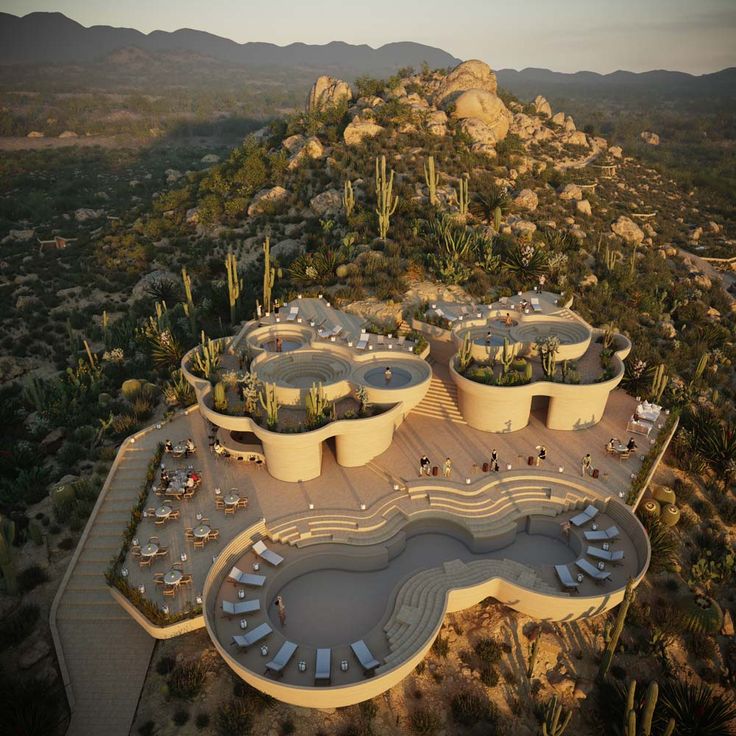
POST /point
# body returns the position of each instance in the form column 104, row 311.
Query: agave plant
column 664, row 545
column 489, row 200
column 697, row 708
column 714, row 441
column 526, row 260
column 457, row 247
column 178, row 391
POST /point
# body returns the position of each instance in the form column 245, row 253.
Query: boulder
column 68, row 134
column 328, row 201
column 558, row 118
column 542, row 106
column 575, row 138
column 172, row 175
column 87, row 213
column 628, row 230
column 437, row 123
column 583, row 207
column 36, row 134
column 287, row 249
column 572, row 192
column 358, row 130
column 651, row 139
column 667, row 330
column 696, row 234
column 616, row 151
column 485, row 106
column 293, row 143
column 714, row 227
column 310, row 149
column 590, row 280
column 478, row 131
column 471, row 74
column 484, row 149
column 703, row 281
column 18, row 236
column 569, row 124
column 526, row 199
column 328, row 92
column 209, row 159
column 192, row 216
column 522, row 228
column 52, row 441
column 266, row 197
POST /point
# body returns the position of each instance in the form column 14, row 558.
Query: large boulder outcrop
column 437, row 123
column 266, row 198
column 486, row 107
column 311, row 148
column 478, row 131
column 328, row 92
column 328, row 201
column 542, row 106
column 471, row 74
column 358, row 130
column 650, row 138
column 526, row 199
column 628, row 230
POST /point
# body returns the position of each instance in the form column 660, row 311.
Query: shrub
column 30, row 706
column 186, row 679
column 15, row 627
column 288, row 727
column 180, row 716
column 147, row 729
column 165, row 665
column 424, row 722
column 489, row 675
column 470, row 707
column 697, row 709
column 235, row 717
column 440, row 646
column 488, row 650
column 31, row 578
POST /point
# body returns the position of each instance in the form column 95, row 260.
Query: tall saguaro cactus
column 556, row 719
column 7, row 558
column 207, row 357
column 618, row 627
column 234, row 284
column 644, row 728
column 507, row 356
column 270, row 404
column 432, row 179
column 385, row 204
column 315, row 403
column 189, row 309
column 348, row 198
column 269, row 275
column 462, row 195
column 659, row 382
column 464, row 355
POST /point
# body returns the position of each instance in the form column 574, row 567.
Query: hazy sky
column 566, row 35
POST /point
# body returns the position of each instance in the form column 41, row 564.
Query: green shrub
column 16, row 626
column 187, row 678
column 31, row 578
column 202, row 720
column 235, row 717
column 488, row 650
column 425, row 722
column 470, row 707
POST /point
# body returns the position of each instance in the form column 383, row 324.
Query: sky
column 696, row 36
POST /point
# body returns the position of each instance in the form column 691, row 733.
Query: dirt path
column 727, row 278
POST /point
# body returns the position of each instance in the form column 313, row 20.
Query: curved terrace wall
column 458, row 592
column 507, row 408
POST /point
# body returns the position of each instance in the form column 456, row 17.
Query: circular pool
column 287, row 345
column 377, row 377
column 568, row 333
column 302, row 368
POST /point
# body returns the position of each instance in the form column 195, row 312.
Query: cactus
column 612, row 258
column 528, row 372
column 385, row 206
column 251, row 389
column 464, row 355
column 131, row 388
column 555, row 719
column 7, row 557
column 700, row 369
column 270, row 404
column 432, row 179
column 269, row 275
column 533, row 652
column 618, row 627
column 234, row 284
column 189, row 309
column 462, row 195
column 105, row 326
column 659, row 382
column 650, row 703
column 497, row 219
column 507, row 356
column 361, row 394
column 316, row 403
column 548, row 349
column 348, row 198
column 207, row 357
column 90, row 356
column 220, row 397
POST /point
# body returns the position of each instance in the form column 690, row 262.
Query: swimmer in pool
column 387, row 374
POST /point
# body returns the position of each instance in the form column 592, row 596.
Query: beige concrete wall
column 169, row 631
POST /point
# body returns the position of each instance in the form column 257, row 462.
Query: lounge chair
column 363, row 342
column 367, row 661
column 585, row 516
column 293, row 312
column 602, row 535
column 271, row 557
column 402, row 340
column 380, row 339
column 607, row 555
column 324, row 333
column 241, row 607
column 566, row 578
column 336, row 330
column 282, row 657
column 260, row 632
column 322, row 670
column 536, row 306
column 246, row 578
column 598, row 575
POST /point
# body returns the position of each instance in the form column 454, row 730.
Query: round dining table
column 231, row 499
column 173, row 577
column 202, row 531
column 163, row 512
column 149, row 550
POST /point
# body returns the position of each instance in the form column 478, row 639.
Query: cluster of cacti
column 316, row 404
column 207, row 357
column 644, row 727
column 220, row 397
column 507, row 356
column 348, row 198
column 609, row 332
column 361, row 394
column 615, row 631
column 527, row 372
column 464, row 355
column 432, row 179
column 251, row 389
column 270, row 404
column 7, row 558
column 548, row 349
column 461, row 194
column 555, row 719
column 612, row 258
column 533, row 653
column 189, row 309
column 632, row 262
column 659, row 382
column 700, row 368
column 385, row 202
column 234, row 284
column 269, row 275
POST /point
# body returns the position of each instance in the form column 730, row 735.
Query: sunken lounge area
column 366, row 593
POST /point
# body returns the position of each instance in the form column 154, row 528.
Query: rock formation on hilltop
column 484, row 106
column 326, row 92
column 472, row 74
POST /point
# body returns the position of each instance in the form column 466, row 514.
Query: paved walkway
column 103, row 653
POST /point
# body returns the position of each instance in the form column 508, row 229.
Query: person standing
column 542, row 454
column 585, row 464
column 279, row 602
column 424, row 465
column 447, row 467
column 494, row 456
column 387, row 374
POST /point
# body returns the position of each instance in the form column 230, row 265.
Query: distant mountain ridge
column 52, row 38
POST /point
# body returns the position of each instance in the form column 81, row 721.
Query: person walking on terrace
column 279, row 603
column 542, row 454
column 494, row 456
column 585, row 464
column 424, row 465
column 447, row 467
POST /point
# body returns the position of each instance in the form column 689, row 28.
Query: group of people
column 193, row 478
column 189, row 447
column 425, row 466
column 615, row 445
